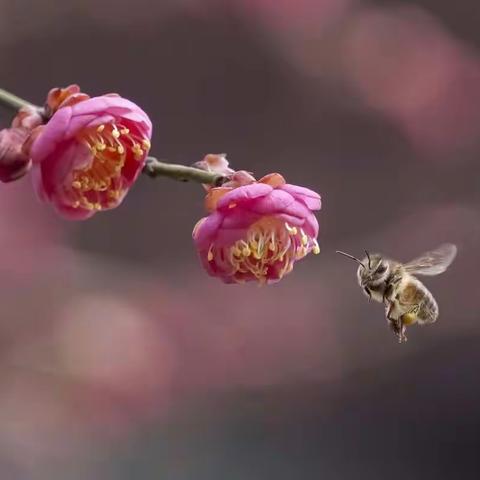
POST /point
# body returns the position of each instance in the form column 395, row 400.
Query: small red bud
column 14, row 163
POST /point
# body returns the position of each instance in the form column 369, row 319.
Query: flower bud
column 14, row 163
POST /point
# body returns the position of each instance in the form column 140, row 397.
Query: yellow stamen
column 268, row 250
column 304, row 237
column 291, row 230
column 301, row 252
column 100, row 183
column 137, row 150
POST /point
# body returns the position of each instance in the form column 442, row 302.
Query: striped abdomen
column 415, row 296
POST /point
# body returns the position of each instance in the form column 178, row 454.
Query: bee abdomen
column 414, row 293
column 428, row 312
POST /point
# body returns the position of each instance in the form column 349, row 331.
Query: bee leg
column 402, row 337
column 388, row 310
column 388, row 294
column 405, row 320
column 395, row 323
column 398, row 328
column 392, row 284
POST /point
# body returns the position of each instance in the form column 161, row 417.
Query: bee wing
column 434, row 262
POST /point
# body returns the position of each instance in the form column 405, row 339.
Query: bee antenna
column 350, row 256
column 369, row 262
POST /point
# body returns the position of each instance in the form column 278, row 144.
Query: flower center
column 100, row 184
column 269, row 250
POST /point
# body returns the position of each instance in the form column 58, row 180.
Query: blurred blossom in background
column 121, row 359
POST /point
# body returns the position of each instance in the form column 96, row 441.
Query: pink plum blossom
column 256, row 232
column 87, row 152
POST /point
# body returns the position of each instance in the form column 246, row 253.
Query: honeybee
column 406, row 299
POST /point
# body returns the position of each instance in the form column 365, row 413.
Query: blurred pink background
column 121, row 359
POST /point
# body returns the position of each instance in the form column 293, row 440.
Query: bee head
column 372, row 270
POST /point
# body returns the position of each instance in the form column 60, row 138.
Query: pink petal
column 309, row 197
column 52, row 135
column 311, row 226
column 290, row 219
column 275, row 201
column 116, row 106
column 71, row 213
column 297, row 209
column 239, row 218
column 205, row 233
column 227, row 237
column 56, row 168
column 79, row 122
column 243, row 194
column 273, row 179
column 38, row 185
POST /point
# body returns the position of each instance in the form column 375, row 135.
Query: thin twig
column 154, row 168
column 11, row 101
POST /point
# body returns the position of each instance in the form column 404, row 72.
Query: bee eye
column 382, row 269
